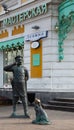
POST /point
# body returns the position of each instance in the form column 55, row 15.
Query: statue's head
column 37, row 101
column 19, row 59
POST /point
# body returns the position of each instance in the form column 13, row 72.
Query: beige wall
column 22, row 1
column 1, row 9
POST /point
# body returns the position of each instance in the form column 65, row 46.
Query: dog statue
column 41, row 115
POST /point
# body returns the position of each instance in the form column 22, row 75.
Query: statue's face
column 19, row 61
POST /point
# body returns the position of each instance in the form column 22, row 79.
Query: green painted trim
column 65, row 8
column 65, row 3
column 12, row 43
column 66, row 22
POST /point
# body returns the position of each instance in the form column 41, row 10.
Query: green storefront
column 10, row 49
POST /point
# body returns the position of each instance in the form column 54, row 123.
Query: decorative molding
column 4, row 34
column 66, row 22
column 18, row 30
column 65, row 26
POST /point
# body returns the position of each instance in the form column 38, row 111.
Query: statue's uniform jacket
column 18, row 82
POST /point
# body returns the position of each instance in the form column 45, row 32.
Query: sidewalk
column 60, row 120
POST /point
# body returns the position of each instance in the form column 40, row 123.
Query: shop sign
column 36, row 36
column 39, row 10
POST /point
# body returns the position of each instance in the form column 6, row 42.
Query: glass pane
column 9, row 58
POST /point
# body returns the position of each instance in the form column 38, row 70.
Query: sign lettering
column 36, row 36
column 26, row 15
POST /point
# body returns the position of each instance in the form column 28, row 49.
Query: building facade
column 39, row 31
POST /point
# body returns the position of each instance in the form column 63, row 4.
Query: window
column 9, row 58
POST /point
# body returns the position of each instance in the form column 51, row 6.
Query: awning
column 18, row 42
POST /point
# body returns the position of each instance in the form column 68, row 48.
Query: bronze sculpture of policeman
column 20, row 77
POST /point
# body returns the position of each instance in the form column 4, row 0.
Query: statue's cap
column 17, row 57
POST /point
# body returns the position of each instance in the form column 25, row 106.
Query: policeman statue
column 20, row 77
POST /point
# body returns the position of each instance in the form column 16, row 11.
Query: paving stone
column 60, row 120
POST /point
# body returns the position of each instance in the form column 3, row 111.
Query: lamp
column 56, row 27
column 35, row 27
column 5, row 7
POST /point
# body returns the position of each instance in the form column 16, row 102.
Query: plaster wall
column 57, row 76
column 1, row 69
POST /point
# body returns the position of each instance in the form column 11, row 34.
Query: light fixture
column 56, row 27
column 5, row 7
column 35, row 27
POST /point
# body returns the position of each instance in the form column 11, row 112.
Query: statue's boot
column 13, row 114
column 14, row 109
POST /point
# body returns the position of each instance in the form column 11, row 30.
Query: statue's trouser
column 15, row 99
column 20, row 91
column 24, row 102
column 25, row 105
